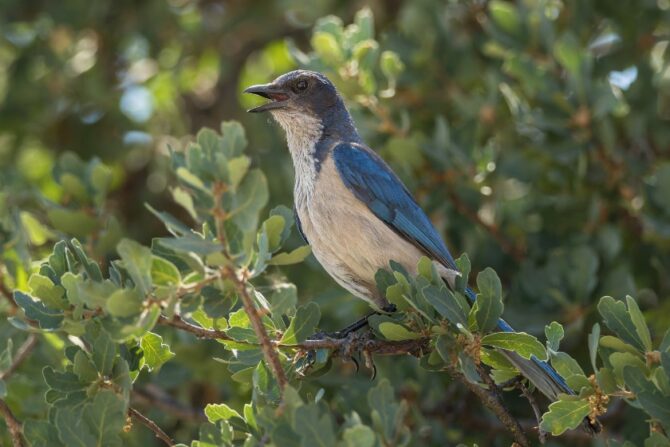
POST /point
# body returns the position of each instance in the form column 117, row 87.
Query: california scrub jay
column 353, row 210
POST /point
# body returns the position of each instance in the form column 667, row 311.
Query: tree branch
column 200, row 332
column 22, row 353
column 542, row 435
column 491, row 400
column 269, row 352
column 13, row 424
column 364, row 342
column 151, row 425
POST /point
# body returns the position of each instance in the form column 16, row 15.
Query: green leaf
column 621, row 360
column 564, row 415
column 216, row 412
column 251, row 197
column 41, row 434
column 327, row 48
column 234, row 138
column 638, row 321
column 37, row 233
column 106, row 416
column 283, row 299
column 396, row 332
column 191, row 179
column 489, row 306
column 238, row 168
column 594, row 338
column 155, row 351
column 74, row 223
column 649, row 397
column 124, row 303
column 183, row 198
column 463, row 264
column 292, row 257
column 554, row 333
column 391, row 65
column 164, row 272
column 274, row 227
column 137, row 259
column 505, row 15
column 46, row 318
column 66, row 382
column 72, row 430
column 172, row 224
column 386, row 414
column 359, row 436
column 84, row 368
column 565, row 365
column 190, row 244
column 49, row 293
column 446, row 304
column 523, row 344
column 618, row 319
column 303, row 324
column 103, row 352
column 315, row 430
column 568, row 52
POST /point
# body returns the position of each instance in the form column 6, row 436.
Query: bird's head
column 303, row 101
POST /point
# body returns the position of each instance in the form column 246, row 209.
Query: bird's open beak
column 274, row 93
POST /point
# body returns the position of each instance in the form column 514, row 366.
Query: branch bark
column 151, row 425
column 269, row 352
column 13, row 424
column 22, row 353
column 491, row 400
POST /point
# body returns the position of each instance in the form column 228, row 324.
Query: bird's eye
column 301, row 85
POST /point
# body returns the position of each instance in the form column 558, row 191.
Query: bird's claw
column 352, row 344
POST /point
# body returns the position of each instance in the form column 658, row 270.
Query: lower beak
column 274, row 93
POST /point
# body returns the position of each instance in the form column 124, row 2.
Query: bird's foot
column 350, row 347
column 348, row 343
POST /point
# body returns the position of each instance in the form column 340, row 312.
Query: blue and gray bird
column 351, row 208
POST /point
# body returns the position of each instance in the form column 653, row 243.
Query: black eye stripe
column 301, row 84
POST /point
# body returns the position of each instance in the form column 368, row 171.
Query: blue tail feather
column 519, row 362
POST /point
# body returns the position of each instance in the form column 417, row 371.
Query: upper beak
column 271, row 91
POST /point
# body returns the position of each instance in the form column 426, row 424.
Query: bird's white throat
column 303, row 132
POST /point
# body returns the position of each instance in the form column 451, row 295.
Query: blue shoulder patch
column 373, row 183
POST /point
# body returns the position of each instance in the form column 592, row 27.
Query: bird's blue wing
column 373, row 183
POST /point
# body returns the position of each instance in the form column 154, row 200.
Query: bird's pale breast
column 347, row 239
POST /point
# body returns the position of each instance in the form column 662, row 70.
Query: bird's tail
column 539, row 373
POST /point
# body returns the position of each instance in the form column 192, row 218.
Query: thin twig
column 22, row 353
column 200, row 332
column 491, row 400
column 269, row 352
column 542, row 435
column 151, row 425
column 13, row 424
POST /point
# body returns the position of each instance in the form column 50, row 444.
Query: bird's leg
column 359, row 324
column 346, row 333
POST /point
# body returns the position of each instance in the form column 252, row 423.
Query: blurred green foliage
column 534, row 132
